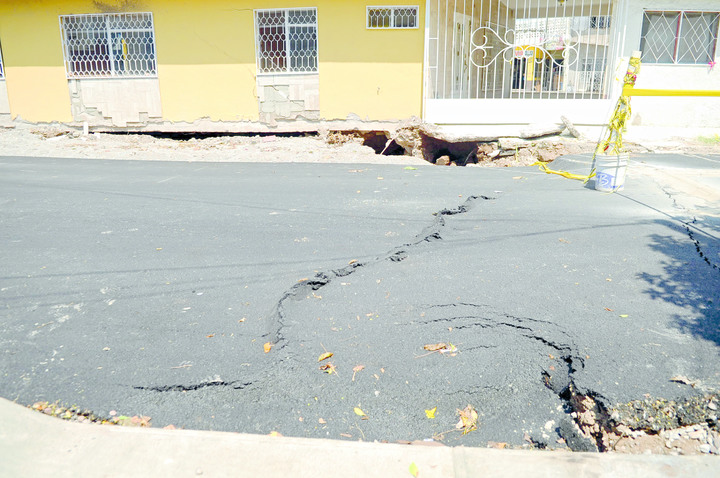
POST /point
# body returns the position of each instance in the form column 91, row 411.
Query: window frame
column 676, row 54
column 286, row 26
column 393, row 9
column 108, row 32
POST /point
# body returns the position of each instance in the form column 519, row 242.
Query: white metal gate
column 488, row 56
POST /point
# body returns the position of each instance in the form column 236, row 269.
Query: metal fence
column 109, row 45
column 487, row 49
column 395, row 17
column 286, row 40
column 679, row 37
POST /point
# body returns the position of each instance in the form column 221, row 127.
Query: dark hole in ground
column 186, row 136
column 459, row 153
column 379, row 142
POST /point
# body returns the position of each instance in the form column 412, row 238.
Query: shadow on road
column 691, row 279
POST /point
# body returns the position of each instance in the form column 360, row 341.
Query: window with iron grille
column 392, row 17
column 109, row 45
column 679, row 37
column 287, row 40
column 600, row 22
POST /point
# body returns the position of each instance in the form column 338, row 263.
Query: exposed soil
column 414, row 143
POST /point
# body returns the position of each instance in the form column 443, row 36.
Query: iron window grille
column 109, row 45
column 2, row 69
column 679, row 37
column 286, row 40
column 392, row 17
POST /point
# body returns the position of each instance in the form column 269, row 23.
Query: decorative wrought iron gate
column 519, row 49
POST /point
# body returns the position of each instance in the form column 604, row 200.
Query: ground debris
column 76, row 414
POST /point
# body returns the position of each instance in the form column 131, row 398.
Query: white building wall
column 115, row 102
column 4, row 105
column 667, row 111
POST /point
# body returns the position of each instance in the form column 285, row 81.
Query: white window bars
column 679, row 37
column 286, row 40
column 392, row 17
column 109, row 45
column 539, row 49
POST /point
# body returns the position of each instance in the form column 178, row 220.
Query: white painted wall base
column 284, row 97
column 115, row 102
column 509, row 112
column 4, row 104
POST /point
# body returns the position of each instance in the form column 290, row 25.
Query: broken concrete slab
column 541, row 130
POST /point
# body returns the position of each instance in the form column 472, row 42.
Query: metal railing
column 519, row 49
column 286, row 40
column 109, row 45
column 679, row 37
column 392, row 17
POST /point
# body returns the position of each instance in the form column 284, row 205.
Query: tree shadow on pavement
column 690, row 279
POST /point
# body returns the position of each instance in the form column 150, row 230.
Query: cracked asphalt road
column 150, row 288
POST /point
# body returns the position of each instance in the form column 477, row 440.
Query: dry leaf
column 352, row 262
column 684, row 380
column 435, row 347
column 468, row 419
column 210, row 336
column 267, row 346
column 356, row 369
column 609, row 310
column 431, row 413
column 328, row 368
column 413, row 469
column 359, row 412
column 325, row 356
column 322, row 421
column 241, row 320
column 275, row 434
column 498, row 445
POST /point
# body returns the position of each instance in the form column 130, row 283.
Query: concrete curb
column 32, row 444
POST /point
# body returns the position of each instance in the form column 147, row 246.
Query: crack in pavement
column 236, row 384
column 698, row 246
column 300, row 290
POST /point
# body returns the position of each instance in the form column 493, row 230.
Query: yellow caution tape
column 565, row 174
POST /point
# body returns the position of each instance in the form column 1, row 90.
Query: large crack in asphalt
column 301, row 290
column 698, row 246
column 235, row 384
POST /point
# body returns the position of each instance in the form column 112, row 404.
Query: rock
column 511, row 143
column 540, row 130
column 571, row 127
column 546, row 155
column 574, row 438
column 443, row 160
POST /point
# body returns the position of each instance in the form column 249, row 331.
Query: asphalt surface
column 150, row 288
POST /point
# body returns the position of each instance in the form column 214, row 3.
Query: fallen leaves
column 267, row 346
column 328, row 368
column 684, row 380
column 358, row 411
column 356, row 369
column 325, row 356
column 441, row 348
column 413, row 469
column 468, row 419
column 431, row 413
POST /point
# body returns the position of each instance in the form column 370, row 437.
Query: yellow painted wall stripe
column 629, row 91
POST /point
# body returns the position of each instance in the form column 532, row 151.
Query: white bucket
column 610, row 172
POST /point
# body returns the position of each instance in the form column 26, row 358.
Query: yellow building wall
column 206, row 58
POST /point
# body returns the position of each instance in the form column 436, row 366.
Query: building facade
column 224, row 65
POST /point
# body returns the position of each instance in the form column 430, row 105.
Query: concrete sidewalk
column 35, row 445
